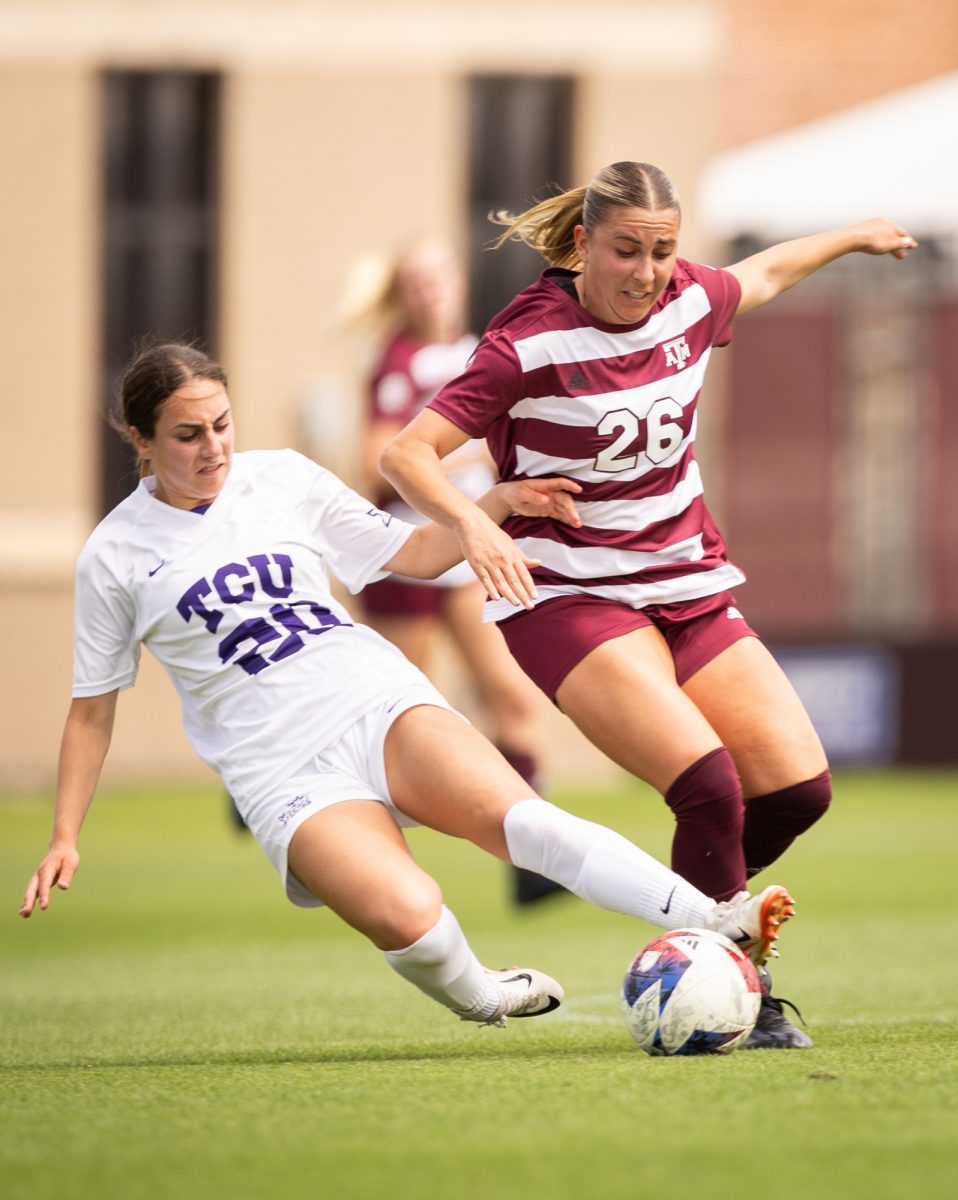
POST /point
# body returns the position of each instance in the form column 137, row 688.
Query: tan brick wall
column 302, row 200
column 786, row 64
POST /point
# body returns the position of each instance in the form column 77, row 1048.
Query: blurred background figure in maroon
column 421, row 304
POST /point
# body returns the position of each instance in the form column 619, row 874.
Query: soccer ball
column 690, row 991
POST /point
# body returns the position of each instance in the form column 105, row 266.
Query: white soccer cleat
column 753, row 922
column 525, row 992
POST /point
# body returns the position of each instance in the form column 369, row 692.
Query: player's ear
column 140, row 443
column 581, row 240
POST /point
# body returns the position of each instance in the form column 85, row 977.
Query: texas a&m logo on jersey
column 677, row 352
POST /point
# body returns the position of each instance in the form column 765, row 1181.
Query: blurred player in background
column 594, row 373
column 326, row 736
column 422, row 304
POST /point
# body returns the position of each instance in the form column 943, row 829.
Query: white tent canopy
column 896, row 157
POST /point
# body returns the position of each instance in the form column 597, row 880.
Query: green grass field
column 174, row 1028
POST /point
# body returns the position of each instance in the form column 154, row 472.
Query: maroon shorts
column 557, row 635
column 391, row 598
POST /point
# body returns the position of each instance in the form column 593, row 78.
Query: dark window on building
column 160, row 185
column 520, row 150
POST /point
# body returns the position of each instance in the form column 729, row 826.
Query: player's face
column 192, row 448
column 627, row 262
column 430, row 290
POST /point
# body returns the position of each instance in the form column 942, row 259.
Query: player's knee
column 792, row 809
column 710, row 783
column 810, row 800
column 407, row 917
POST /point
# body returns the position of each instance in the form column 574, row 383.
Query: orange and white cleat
column 753, row 922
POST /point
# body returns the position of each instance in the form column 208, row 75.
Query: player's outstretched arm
column 765, row 275
column 412, row 463
column 86, row 739
column 432, row 549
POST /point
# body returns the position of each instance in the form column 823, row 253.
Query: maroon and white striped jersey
column 556, row 391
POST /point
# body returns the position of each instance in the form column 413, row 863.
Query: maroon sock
column 709, row 812
column 527, row 886
column 774, row 821
column 524, row 765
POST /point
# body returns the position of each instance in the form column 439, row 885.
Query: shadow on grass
column 339, row 1056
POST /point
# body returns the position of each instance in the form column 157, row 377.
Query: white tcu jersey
column 235, row 604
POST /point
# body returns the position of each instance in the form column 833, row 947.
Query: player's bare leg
column 444, row 774
column 447, row 776
column 353, row 857
column 753, row 707
column 624, row 698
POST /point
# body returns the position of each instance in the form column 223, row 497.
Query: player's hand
column 499, row 564
column 57, row 869
column 550, row 497
column 879, row 236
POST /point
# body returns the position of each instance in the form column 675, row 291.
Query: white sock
column 600, row 866
column 442, row 964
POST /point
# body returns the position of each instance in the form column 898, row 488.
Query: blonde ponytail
column 549, row 226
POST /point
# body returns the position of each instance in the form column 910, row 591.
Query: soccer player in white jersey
column 593, row 372
column 328, row 739
column 422, row 303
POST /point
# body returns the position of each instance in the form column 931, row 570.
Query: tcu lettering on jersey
column 236, row 583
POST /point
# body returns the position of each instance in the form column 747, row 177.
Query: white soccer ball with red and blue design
column 690, row 991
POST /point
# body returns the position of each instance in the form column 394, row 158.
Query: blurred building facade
column 218, row 171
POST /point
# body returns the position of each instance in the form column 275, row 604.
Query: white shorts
column 354, row 768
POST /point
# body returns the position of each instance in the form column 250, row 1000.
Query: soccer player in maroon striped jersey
column 593, row 373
